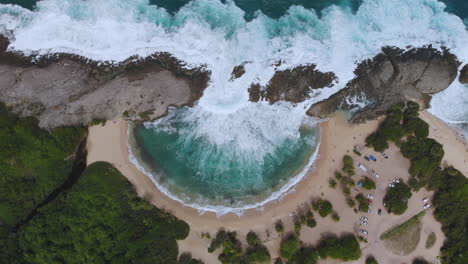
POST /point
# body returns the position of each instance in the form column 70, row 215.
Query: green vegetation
column 367, row 183
column 420, row 261
column 289, row 247
column 350, row 202
column 397, row 198
column 323, row 207
column 345, row 248
column 279, row 226
column 431, row 239
column 451, row 210
column 363, row 203
column 309, row 220
column 335, row 217
column 371, row 260
column 186, row 258
column 404, row 238
column 232, row 248
column 34, row 162
column 99, row 220
column 96, row 122
column 348, row 165
column 345, row 180
column 332, row 183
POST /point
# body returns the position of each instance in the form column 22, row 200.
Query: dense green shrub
column 425, row 155
column 309, row 220
column 279, row 226
column 232, row 250
column 252, row 239
column 420, row 261
column 323, row 207
column 332, row 183
column 100, row 220
column 363, row 202
column 289, row 247
column 451, row 210
column 397, row 198
column 335, row 217
column 33, row 163
column 217, row 241
column 345, row 248
column 348, row 165
column 371, row 260
column 186, row 258
column 305, row 255
column 258, row 254
column 367, row 183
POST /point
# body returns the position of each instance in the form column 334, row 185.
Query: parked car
column 396, row 181
column 426, row 206
column 379, row 212
column 372, row 158
column 367, row 158
column 385, row 155
column 391, row 185
column 425, row 200
column 364, row 223
column 364, row 232
column 376, row 175
column 370, row 196
column 363, row 218
column 369, row 200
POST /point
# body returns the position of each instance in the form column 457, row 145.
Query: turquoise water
column 196, row 170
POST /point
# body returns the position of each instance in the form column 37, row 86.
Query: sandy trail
column 109, row 143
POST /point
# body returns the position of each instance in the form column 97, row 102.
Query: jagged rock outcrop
column 391, row 77
column 238, row 71
column 464, row 74
column 292, row 85
column 64, row 89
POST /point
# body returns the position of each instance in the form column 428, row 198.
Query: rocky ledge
column 64, row 89
column 392, row 76
column 464, row 74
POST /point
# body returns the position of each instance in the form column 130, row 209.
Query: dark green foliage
column 371, row 260
column 420, row 261
column 252, row 239
column 258, row 254
column 348, row 166
column 451, row 210
column 390, row 129
column 217, row 241
column 309, row 220
column 101, row 220
column 363, row 202
column 186, row 258
column 305, row 255
column 335, row 217
column 367, row 183
column 397, row 198
column 33, row 163
column 332, row 183
column 278, row 261
column 289, row 247
column 279, row 226
column 350, row 202
column 345, row 248
column 232, row 250
column 425, row 155
column 323, row 207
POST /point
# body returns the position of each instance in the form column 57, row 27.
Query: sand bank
column 109, row 143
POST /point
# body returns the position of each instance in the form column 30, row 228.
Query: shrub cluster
column 345, row 248
column 348, row 165
column 294, row 253
column 397, row 198
column 363, row 203
column 324, row 207
column 368, row 183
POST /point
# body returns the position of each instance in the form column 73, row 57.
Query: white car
column 376, row 175
column 391, row 185
column 364, row 231
column 369, row 211
column 425, row 200
column 370, row 196
column 396, row 181
column 427, row 206
column 364, row 223
column 363, row 218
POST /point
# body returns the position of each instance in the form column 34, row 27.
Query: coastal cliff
column 391, row 77
column 63, row 89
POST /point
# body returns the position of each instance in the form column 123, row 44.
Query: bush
column 310, row 221
column 397, row 198
column 279, row 226
column 363, row 203
column 232, row 250
column 252, row 239
column 258, row 254
column 332, row 183
column 431, row 239
column 324, row 207
column 345, row 248
column 335, row 217
column 350, row 202
column 305, row 255
column 186, row 258
column 289, row 247
column 218, row 241
column 348, row 165
column 371, row 260
column 420, row 261
column 367, row 183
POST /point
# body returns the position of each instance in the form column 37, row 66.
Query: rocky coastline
column 64, row 89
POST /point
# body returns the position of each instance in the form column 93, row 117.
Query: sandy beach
column 109, row 143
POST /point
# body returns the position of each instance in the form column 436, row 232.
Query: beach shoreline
column 337, row 138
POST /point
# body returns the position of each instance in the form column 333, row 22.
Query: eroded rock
column 392, row 76
column 63, row 89
column 464, row 74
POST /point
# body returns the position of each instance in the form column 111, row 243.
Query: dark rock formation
column 237, row 72
column 292, row 85
column 391, row 77
column 464, row 74
column 64, row 89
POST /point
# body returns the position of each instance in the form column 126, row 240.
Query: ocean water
column 334, row 35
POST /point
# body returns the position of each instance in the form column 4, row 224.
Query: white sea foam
column 208, row 32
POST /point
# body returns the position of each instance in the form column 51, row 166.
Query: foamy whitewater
column 216, row 35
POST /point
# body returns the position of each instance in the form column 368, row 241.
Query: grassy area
column 404, row 238
column 431, row 239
